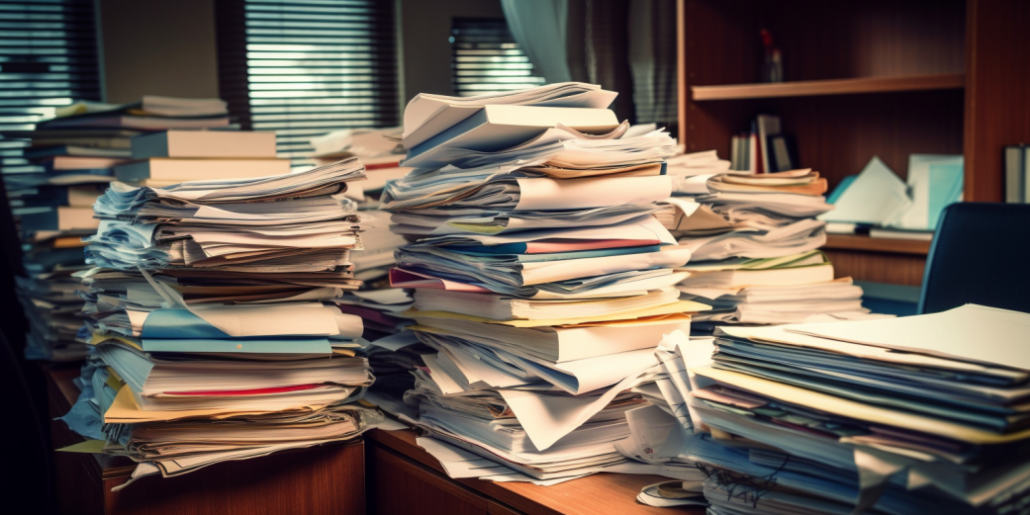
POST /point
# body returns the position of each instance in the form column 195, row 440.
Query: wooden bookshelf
column 858, row 85
column 856, row 242
column 886, row 78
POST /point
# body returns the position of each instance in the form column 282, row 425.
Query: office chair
column 979, row 255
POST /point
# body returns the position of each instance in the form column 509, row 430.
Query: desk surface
column 599, row 493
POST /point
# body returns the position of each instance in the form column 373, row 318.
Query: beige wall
column 158, row 47
column 167, row 47
column 426, row 51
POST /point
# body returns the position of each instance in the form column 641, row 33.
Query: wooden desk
column 404, row 478
column 322, row 480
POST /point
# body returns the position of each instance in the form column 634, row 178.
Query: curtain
column 627, row 46
column 652, row 59
column 540, row 28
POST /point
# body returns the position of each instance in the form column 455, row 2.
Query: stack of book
column 754, row 240
column 889, row 416
column 541, row 278
column 209, row 303
column 67, row 164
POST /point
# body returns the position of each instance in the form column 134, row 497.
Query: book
column 768, row 125
column 179, row 170
column 136, row 122
column 84, row 195
column 80, row 163
column 900, row 234
column 75, row 151
column 782, row 153
column 150, row 105
column 1026, row 173
column 1015, row 174
column 205, row 144
column 61, row 218
column 753, row 164
column 105, row 138
column 497, row 127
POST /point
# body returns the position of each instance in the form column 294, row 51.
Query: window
column 48, row 59
column 306, row 67
column 485, row 58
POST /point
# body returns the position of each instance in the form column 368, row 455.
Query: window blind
column 486, row 59
column 306, row 67
column 48, row 59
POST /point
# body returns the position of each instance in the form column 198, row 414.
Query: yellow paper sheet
column 682, row 306
column 114, row 380
column 89, row 446
column 98, row 339
column 857, row 410
column 124, row 410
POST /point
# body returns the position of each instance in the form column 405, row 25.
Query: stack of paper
column 922, row 414
column 542, row 282
column 66, row 164
column 207, row 308
column 753, row 239
column 378, row 149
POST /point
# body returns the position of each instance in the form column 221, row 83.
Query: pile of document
column 877, row 202
column 210, row 305
column 381, row 307
column 541, row 279
column 754, row 241
column 922, row 414
column 66, row 164
column 380, row 150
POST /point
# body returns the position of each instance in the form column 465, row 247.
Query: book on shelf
column 768, row 125
column 1017, row 185
column 900, row 234
column 765, row 149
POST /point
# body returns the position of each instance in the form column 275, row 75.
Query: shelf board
column 829, row 87
column 865, row 243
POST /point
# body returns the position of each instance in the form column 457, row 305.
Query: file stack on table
column 540, row 277
column 754, row 241
column 209, row 304
column 376, row 302
column 380, row 306
column 67, row 164
column 922, row 414
column 380, row 150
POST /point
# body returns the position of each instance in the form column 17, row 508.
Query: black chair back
column 980, row 255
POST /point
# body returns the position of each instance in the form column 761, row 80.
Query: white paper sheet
column 547, row 418
column 876, row 196
column 973, row 333
column 552, row 194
